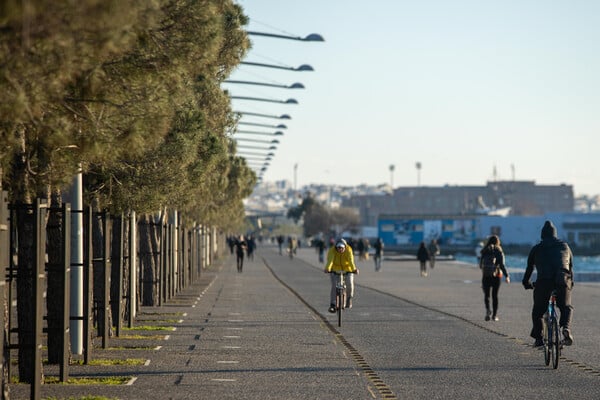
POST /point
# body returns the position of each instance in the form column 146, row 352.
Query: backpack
column 488, row 264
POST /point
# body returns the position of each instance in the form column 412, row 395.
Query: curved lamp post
column 313, row 37
column 256, row 147
column 303, row 67
column 288, row 101
column 292, row 86
column 274, row 141
column 253, row 114
column 276, row 133
column 250, row 153
column 280, row 126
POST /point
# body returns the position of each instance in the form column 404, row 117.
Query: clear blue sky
column 465, row 87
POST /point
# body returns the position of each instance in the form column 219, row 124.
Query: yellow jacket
column 337, row 261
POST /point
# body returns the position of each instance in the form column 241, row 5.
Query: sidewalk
column 265, row 334
column 242, row 336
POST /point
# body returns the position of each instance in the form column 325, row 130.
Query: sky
column 474, row 91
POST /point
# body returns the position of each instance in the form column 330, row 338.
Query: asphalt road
column 266, row 334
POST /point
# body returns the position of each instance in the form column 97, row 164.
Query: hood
column 548, row 230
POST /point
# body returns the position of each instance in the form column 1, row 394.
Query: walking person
column 434, row 250
column 378, row 246
column 553, row 260
column 240, row 249
column 492, row 268
column 423, row 257
column 341, row 258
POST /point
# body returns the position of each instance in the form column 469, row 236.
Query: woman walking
column 492, row 268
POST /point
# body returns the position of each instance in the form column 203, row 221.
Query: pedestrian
column 378, row 246
column 240, row 248
column 492, row 269
column 341, row 258
column 280, row 244
column 321, row 249
column 553, row 260
column 434, row 250
column 251, row 246
column 423, row 257
column 478, row 249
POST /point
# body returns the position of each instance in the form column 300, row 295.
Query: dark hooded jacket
column 552, row 258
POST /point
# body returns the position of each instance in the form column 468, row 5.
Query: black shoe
column 487, row 315
column 332, row 309
column 538, row 342
column 567, row 337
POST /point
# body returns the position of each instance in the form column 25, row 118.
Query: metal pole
column 76, row 302
column 132, row 267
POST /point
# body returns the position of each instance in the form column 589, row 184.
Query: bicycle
column 552, row 342
column 340, row 294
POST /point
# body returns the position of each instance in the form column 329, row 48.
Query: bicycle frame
column 340, row 294
column 552, row 342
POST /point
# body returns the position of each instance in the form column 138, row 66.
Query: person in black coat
column 553, row 260
column 423, row 256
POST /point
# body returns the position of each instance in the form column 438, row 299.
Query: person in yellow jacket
column 341, row 258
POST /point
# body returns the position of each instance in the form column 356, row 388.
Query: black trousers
column 491, row 284
column 541, row 296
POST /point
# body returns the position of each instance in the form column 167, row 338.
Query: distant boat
column 500, row 212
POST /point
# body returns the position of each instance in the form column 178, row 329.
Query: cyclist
column 341, row 258
column 553, row 260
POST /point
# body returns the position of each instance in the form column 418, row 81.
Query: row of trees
column 127, row 92
column 320, row 219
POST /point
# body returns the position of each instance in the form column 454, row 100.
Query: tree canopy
column 128, row 91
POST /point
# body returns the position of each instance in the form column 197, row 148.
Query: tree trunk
column 147, row 261
column 26, row 253
column 56, row 283
column 98, row 266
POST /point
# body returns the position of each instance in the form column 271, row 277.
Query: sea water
column 586, row 268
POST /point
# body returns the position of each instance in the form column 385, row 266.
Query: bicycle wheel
column 547, row 340
column 555, row 343
column 340, row 305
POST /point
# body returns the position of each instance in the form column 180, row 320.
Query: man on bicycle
column 553, row 260
column 340, row 257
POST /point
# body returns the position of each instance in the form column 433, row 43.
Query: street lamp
column 256, row 147
column 282, row 116
column 292, row 86
column 288, row 101
column 274, row 141
column 313, row 37
column 280, row 126
column 250, row 153
column 303, row 67
column 418, row 165
column 276, row 133
column 392, row 168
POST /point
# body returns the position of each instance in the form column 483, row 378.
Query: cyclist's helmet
column 340, row 244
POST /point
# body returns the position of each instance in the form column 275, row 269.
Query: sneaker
column 349, row 303
column 332, row 308
column 495, row 318
column 567, row 338
column 539, row 342
column 488, row 313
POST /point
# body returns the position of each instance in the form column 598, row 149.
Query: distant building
column 519, row 198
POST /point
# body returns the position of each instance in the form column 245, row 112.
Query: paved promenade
column 266, row 334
